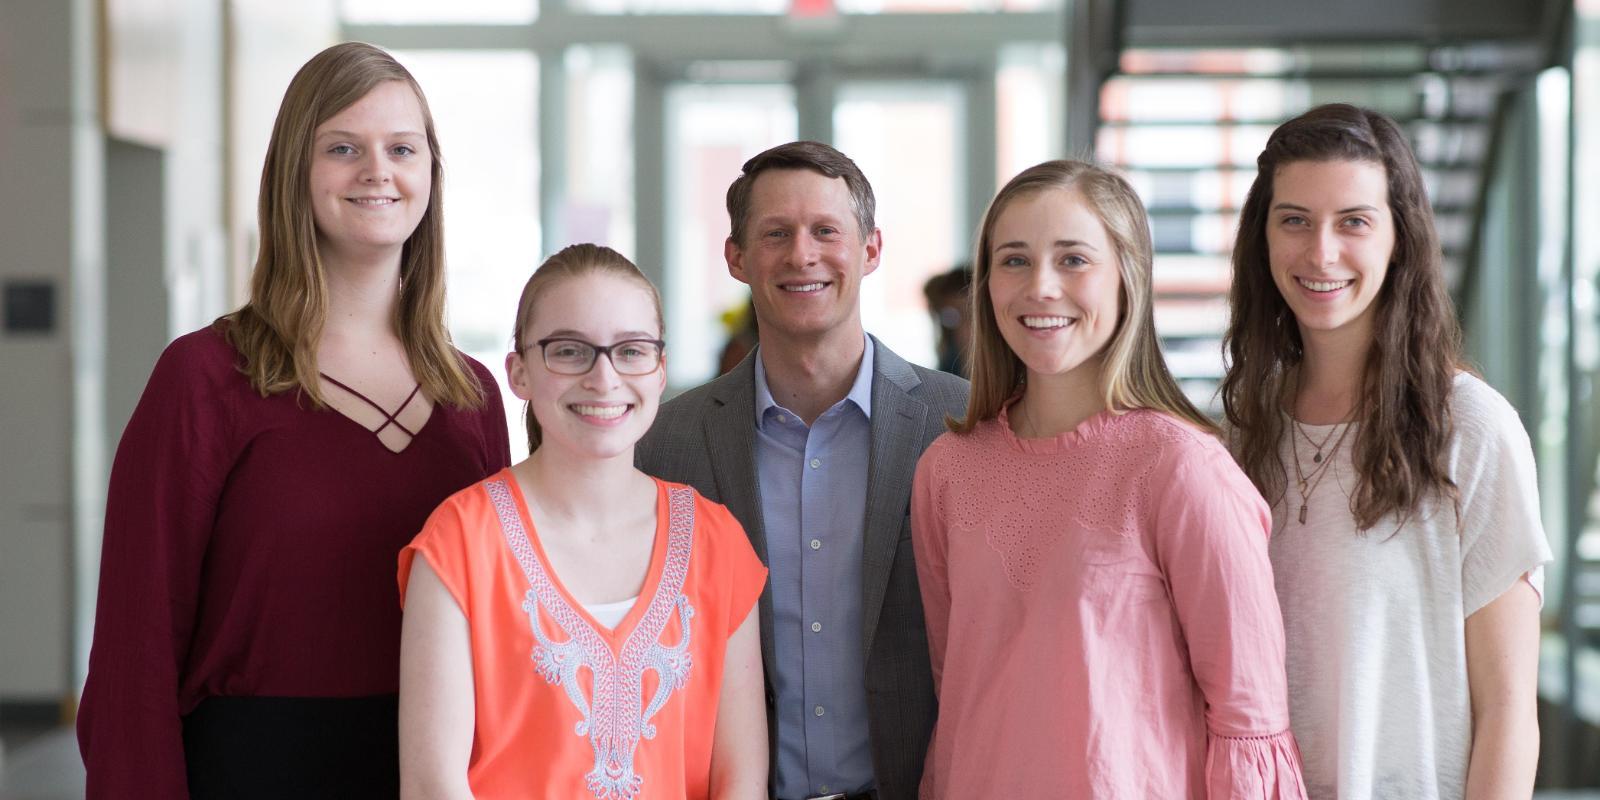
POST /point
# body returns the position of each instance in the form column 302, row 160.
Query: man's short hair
column 814, row 156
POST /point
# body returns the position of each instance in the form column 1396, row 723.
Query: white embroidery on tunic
column 617, row 718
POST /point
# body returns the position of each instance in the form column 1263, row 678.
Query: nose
column 1044, row 283
column 1324, row 250
column 602, row 374
column 803, row 249
column 375, row 167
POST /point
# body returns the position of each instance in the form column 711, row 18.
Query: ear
column 732, row 253
column 874, row 245
column 517, row 377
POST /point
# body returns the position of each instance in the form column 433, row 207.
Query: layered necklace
column 1306, row 482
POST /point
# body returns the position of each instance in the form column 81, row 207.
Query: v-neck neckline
column 433, row 411
column 615, row 637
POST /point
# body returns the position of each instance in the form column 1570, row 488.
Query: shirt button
column 816, row 462
column 819, row 711
column 816, row 627
column 816, row 544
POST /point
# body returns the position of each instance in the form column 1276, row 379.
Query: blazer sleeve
column 1212, row 531
column 166, row 480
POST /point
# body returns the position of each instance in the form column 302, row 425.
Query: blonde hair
column 276, row 332
column 1133, row 374
column 573, row 261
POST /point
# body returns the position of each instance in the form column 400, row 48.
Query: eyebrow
column 1058, row 243
column 1293, row 207
column 568, row 333
column 352, row 135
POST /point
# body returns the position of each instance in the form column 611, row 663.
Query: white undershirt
column 610, row 614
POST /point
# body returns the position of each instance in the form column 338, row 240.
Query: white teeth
column 1047, row 322
column 807, row 287
column 603, row 412
column 1323, row 286
column 372, row 201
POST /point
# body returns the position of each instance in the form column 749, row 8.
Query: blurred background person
column 949, row 303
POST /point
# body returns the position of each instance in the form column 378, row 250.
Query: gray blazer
column 706, row 438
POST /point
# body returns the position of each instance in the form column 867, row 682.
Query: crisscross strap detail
column 389, row 419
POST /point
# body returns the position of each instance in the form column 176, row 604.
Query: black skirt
column 243, row 748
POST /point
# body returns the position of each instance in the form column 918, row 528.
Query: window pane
column 711, row 131
column 488, row 135
column 681, row 6
column 906, row 137
column 599, row 145
column 464, row 12
column 1028, row 96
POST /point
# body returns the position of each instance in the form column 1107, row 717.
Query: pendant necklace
column 1306, row 484
column 1317, row 458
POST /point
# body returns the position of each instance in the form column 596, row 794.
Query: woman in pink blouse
column 1100, row 607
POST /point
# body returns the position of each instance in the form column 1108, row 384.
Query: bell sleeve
column 166, row 480
column 1212, row 546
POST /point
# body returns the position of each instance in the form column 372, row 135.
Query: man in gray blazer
column 811, row 442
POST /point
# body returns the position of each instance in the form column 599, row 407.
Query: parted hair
column 1133, row 373
column 277, row 330
column 814, row 156
column 572, row 261
column 1403, row 404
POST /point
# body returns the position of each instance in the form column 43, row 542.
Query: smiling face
column 1054, row 282
column 601, row 413
column 370, row 175
column 803, row 256
column 1330, row 235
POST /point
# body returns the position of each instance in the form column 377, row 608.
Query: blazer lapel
column 730, row 432
column 898, row 421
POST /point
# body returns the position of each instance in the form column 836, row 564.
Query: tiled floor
column 43, row 767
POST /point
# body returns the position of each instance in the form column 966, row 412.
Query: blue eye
column 341, row 149
column 405, row 150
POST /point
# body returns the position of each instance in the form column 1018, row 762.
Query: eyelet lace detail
column 1022, row 526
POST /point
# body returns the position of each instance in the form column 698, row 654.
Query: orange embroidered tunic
column 566, row 707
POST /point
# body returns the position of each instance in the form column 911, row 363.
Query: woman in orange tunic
column 574, row 627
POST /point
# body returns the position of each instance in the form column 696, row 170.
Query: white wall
column 49, row 178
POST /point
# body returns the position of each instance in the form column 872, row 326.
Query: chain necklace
column 1308, row 483
column 1317, row 458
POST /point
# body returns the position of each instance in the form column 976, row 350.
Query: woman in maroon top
column 247, row 633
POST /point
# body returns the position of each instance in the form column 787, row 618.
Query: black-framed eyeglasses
column 566, row 356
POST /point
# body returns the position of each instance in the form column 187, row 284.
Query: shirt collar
column 860, row 391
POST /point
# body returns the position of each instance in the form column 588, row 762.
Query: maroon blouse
column 249, row 550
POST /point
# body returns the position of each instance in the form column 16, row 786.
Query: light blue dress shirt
column 813, row 506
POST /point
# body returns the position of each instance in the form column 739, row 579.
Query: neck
column 1054, row 404
column 1329, row 384
column 809, row 377
column 567, row 487
column 362, row 294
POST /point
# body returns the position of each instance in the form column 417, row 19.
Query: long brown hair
column 1400, row 449
column 572, row 262
column 1134, row 375
column 276, row 332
